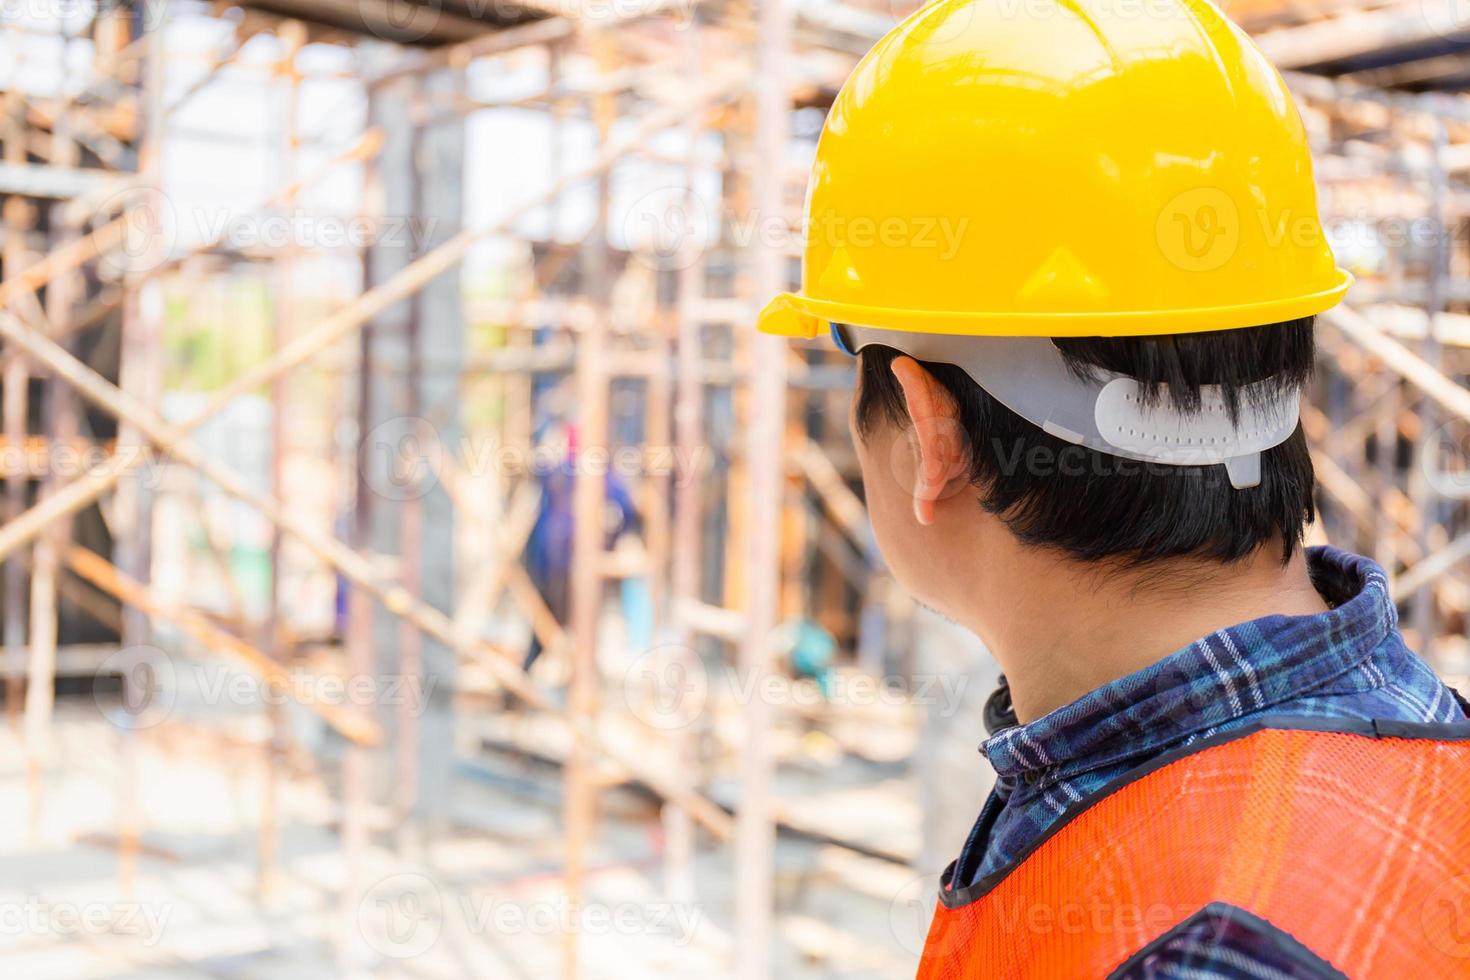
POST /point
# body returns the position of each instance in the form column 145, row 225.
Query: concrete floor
column 477, row 897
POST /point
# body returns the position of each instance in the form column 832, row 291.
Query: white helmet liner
column 1108, row 412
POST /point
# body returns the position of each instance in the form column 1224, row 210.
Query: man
column 550, row 546
column 1075, row 247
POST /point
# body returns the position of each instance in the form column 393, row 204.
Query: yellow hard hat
column 1061, row 168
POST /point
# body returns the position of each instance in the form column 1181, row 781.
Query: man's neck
column 1065, row 629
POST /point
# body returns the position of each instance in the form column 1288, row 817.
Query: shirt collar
column 1230, row 673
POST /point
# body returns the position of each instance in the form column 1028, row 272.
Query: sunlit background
column 413, row 565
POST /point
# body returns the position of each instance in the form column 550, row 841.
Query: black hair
column 1095, row 507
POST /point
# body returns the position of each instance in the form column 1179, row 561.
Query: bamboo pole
column 684, row 550
column 410, row 510
column 765, row 466
column 543, row 621
column 358, row 629
column 844, row 506
column 579, row 802
column 1423, row 613
column 93, row 568
column 39, row 685
column 60, row 261
column 15, row 411
column 293, row 37
column 139, row 379
column 59, row 419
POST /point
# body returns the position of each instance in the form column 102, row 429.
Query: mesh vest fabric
column 1355, row 846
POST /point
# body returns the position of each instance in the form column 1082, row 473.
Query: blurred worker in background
column 549, row 549
column 1077, row 255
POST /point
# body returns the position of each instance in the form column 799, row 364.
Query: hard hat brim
column 795, row 315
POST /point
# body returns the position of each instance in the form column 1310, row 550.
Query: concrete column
column 413, row 422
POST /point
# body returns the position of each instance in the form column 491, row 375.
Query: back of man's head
column 1096, row 507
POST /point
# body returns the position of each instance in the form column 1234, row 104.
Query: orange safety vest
column 1353, row 838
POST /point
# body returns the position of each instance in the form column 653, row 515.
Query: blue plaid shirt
column 1349, row 662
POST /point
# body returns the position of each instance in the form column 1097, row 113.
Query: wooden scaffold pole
column 765, row 466
column 688, row 504
column 287, row 94
column 589, row 493
column 18, row 215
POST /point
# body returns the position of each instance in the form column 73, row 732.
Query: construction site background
column 415, row 564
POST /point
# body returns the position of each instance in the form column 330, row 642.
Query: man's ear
column 937, row 437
